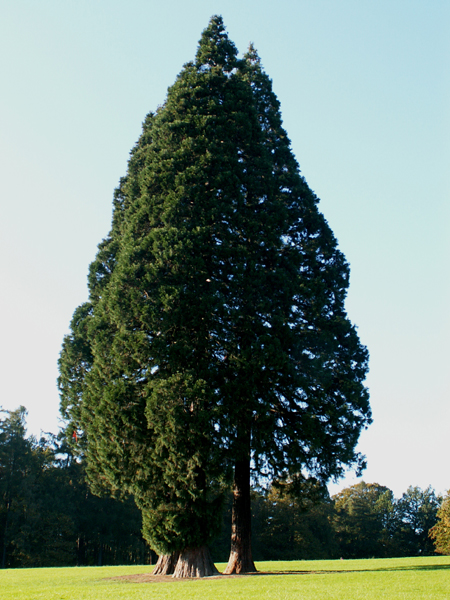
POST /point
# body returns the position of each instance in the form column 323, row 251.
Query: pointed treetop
column 252, row 55
column 215, row 49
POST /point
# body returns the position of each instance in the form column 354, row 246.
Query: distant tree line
column 48, row 516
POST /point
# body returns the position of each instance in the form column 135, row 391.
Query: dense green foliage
column 48, row 517
column 293, row 528
column 368, row 521
column 363, row 521
column 215, row 332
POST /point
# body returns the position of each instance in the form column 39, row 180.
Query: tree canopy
column 440, row 533
column 215, row 342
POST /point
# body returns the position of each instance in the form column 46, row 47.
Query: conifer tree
column 215, row 340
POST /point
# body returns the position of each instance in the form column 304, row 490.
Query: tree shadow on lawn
column 367, row 570
column 149, row 578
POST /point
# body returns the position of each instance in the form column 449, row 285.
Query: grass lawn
column 375, row 579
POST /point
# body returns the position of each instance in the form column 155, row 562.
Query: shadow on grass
column 375, row 569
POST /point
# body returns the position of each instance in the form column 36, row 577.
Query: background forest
column 48, row 517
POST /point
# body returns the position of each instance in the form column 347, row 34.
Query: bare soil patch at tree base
column 149, row 578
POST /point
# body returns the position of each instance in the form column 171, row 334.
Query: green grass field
column 376, row 579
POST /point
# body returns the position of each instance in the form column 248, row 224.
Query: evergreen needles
column 215, row 338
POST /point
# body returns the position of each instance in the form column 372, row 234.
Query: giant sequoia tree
column 215, row 342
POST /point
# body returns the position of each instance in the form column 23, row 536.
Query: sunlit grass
column 376, row 579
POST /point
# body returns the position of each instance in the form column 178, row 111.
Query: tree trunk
column 5, row 535
column 195, row 562
column 241, row 560
column 191, row 562
column 165, row 564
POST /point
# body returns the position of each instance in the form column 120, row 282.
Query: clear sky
column 365, row 96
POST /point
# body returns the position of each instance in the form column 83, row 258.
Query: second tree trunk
column 241, row 560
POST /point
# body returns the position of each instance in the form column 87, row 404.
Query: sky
column 365, row 98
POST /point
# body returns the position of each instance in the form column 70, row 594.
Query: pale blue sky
column 365, row 96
